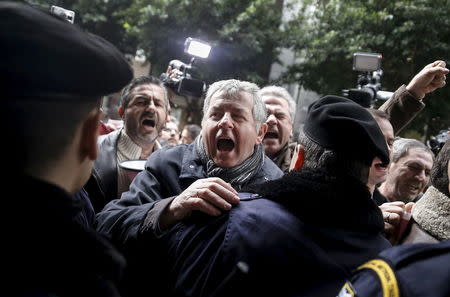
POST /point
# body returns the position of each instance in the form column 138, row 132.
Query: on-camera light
column 197, row 47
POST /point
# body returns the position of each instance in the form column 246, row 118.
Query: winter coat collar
column 432, row 213
column 323, row 200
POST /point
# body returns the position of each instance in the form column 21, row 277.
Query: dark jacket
column 304, row 240
column 284, row 156
column 402, row 108
column 47, row 252
column 420, row 270
column 168, row 172
column 102, row 185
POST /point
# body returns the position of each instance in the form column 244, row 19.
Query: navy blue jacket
column 168, row 172
column 305, row 240
column 421, row 270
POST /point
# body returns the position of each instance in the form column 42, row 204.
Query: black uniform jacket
column 420, row 270
column 46, row 251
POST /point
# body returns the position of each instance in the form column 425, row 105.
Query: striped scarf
column 238, row 175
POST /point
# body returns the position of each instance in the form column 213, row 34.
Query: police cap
column 45, row 55
column 341, row 125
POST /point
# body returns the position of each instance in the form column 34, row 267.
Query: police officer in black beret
column 52, row 77
column 300, row 235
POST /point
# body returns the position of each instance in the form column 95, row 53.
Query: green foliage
column 410, row 34
column 242, row 33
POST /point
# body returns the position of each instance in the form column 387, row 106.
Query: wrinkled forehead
column 419, row 155
column 240, row 100
column 155, row 90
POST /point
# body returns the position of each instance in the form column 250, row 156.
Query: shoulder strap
column 386, row 275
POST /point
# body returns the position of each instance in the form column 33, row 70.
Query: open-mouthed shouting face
column 229, row 129
column 146, row 113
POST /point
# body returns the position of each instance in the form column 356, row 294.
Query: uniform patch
column 347, row 290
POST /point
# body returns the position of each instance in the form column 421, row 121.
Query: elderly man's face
column 145, row 114
column 410, row 174
column 279, row 124
column 229, row 129
column 378, row 172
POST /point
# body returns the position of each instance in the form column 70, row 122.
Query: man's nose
column 151, row 105
column 271, row 120
column 225, row 121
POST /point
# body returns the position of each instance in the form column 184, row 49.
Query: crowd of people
column 233, row 206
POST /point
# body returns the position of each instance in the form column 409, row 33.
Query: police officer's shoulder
column 419, row 269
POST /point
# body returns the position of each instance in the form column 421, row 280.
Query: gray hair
column 232, row 88
column 318, row 157
column 401, row 147
column 282, row 93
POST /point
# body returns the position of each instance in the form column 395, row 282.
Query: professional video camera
column 178, row 79
column 369, row 86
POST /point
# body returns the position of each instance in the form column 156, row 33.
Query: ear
column 89, row 135
column 121, row 112
column 262, row 131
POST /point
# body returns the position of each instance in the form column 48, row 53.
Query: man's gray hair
column 401, row 147
column 232, row 88
column 282, row 93
column 336, row 164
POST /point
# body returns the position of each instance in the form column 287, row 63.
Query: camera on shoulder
column 178, row 78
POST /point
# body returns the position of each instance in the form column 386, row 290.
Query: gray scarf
column 238, row 175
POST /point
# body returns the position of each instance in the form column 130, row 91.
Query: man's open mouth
column 271, row 135
column 149, row 123
column 225, row 145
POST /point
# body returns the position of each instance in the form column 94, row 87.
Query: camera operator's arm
column 406, row 102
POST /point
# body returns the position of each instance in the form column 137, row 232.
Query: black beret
column 341, row 125
column 42, row 54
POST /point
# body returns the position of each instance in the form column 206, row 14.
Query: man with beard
column 318, row 222
column 203, row 176
column 143, row 107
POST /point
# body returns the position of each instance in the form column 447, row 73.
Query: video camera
column 178, row 79
column 368, row 84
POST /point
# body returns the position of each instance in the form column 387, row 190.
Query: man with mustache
column 143, row 107
column 203, row 176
